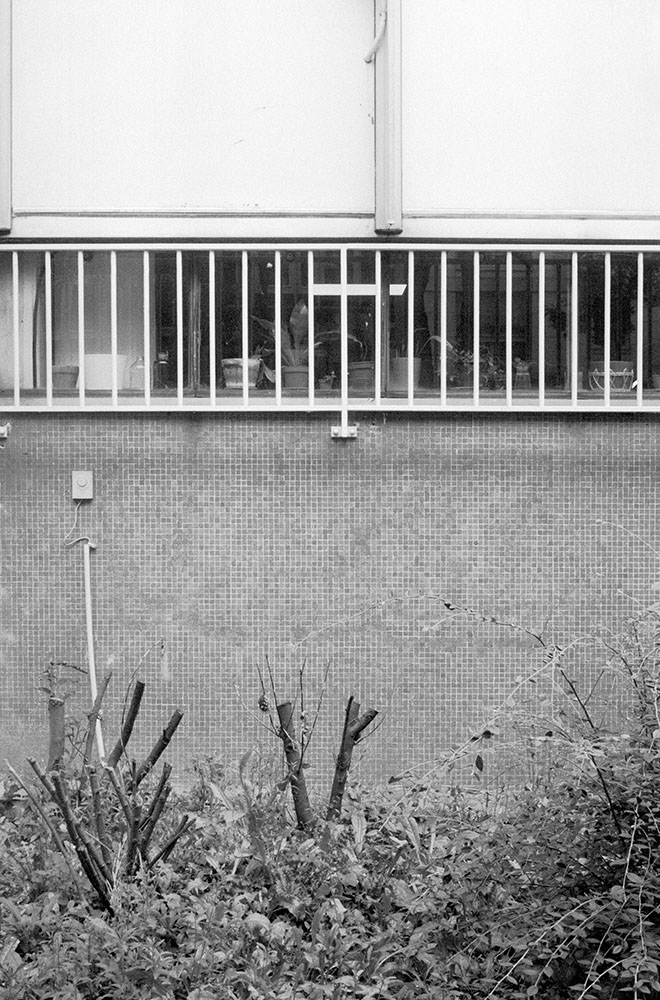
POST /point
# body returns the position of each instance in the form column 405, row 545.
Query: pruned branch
column 159, row 748
column 293, row 755
column 127, row 727
column 354, row 726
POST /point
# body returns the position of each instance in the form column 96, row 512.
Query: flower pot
column 622, row 376
column 65, row 376
column 361, row 375
column 98, row 371
column 295, row 376
column 232, row 371
column 398, row 380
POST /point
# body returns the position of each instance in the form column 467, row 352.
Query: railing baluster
column 146, row 327
column 378, row 329
column 179, row 328
column 278, row 328
column 476, row 320
column 310, row 325
column 508, row 362
column 410, row 380
column 48, row 277
column 245, row 331
column 574, row 330
column 607, row 332
column 640, row 329
column 16, row 329
column 113, row 326
column 212, row 327
column 541, row 330
column 343, row 327
column 443, row 328
column 81, row 327
column 245, row 307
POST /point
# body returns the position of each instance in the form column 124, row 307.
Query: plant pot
column 361, row 375
column 622, row 376
column 295, row 376
column 65, row 376
column 232, row 371
column 98, row 371
column 398, row 380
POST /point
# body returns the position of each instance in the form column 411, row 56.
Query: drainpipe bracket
column 339, row 433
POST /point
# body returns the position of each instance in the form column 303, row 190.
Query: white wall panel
column 548, row 106
column 157, row 105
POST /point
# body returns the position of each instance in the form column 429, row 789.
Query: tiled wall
column 239, row 538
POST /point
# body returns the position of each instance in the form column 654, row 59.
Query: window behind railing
column 329, row 327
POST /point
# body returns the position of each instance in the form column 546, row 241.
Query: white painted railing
column 489, row 327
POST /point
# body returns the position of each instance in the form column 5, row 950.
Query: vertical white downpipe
column 387, row 100
column 90, row 641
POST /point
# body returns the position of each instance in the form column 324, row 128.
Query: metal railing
column 491, row 327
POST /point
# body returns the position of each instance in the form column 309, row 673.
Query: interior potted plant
column 232, row 361
column 294, row 346
column 492, row 371
column 398, row 372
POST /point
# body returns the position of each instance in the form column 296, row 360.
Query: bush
column 422, row 891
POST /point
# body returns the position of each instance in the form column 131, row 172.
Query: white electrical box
column 82, row 485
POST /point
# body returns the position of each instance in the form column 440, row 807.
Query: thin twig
column 51, row 827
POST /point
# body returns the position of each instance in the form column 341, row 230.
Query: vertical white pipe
column 541, row 329
column 443, row 328
column 574, row 330
column 278, row 328
column 378, row 329
column 16, row 329
column 49, row 328
column 212, row 329
column 640, row 329
column 509, row 329
column 179, row 328
column 411, row 328
column 81, row 327
column 146, row 326
column 90, row 643
column 343, row 279
column 607, row 331
column 113, row 325
column 310, row 325
column 476, row 349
